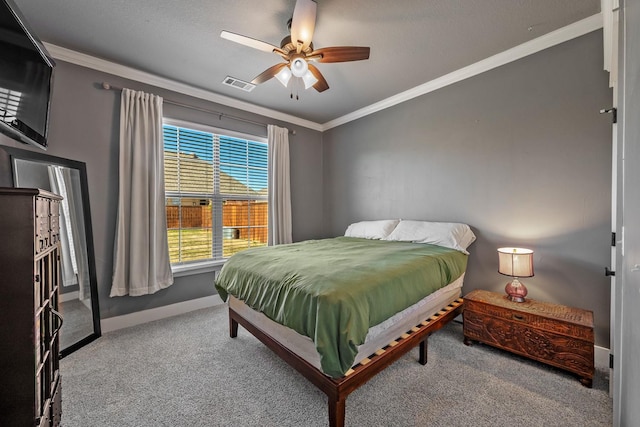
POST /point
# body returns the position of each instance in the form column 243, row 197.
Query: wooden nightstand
column 549, row 333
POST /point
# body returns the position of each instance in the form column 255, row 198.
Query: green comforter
column 333, row 290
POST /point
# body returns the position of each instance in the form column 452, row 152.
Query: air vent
column 238, row 84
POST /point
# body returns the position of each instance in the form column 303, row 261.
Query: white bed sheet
column 379, row 336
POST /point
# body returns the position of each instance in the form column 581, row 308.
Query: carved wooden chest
column 550, row 333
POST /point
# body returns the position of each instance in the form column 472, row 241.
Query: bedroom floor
column 186, row 371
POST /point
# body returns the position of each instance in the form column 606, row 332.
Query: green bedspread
column 333, row 290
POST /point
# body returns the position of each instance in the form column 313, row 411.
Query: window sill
column 196, row 268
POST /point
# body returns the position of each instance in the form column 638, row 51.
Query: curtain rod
column 107, row 86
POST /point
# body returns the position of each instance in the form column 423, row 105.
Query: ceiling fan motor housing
column 288, row 46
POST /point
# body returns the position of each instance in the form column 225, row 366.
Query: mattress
column 335, row 290
column 378, row 336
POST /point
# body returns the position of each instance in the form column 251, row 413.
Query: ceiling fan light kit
column 297, row 50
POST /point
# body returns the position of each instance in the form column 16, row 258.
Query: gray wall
column 84, row 126
column 520, row 153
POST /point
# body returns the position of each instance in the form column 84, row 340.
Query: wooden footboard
column 337, row 389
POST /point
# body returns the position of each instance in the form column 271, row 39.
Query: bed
column 340, row 310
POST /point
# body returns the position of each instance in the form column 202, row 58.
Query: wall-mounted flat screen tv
column 26, row 72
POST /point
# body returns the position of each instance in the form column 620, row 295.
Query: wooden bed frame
column 337, row 389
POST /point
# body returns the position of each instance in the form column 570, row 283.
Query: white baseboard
column 118, row 322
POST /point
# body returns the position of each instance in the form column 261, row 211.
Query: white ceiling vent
column 239, row 84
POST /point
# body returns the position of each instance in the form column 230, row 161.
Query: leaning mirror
column 78, row 290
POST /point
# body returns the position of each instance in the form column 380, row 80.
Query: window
column 216, row 192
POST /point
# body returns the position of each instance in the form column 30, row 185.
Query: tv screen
column 26, row 73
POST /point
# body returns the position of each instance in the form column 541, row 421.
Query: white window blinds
column 216, row 193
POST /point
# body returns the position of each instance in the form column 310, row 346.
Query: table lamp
column 515, row 262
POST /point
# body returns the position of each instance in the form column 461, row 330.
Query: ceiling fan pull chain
column 294, row 88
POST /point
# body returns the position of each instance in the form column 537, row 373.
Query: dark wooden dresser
column 550, row 333
column 29, row 319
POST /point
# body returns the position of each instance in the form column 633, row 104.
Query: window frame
column 210, row 265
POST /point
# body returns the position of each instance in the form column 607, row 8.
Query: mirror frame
column 35, row 156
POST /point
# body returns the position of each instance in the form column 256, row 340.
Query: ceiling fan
column 298, row 51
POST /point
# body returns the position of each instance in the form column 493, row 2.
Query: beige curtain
column 279, row 186
column 141, row 263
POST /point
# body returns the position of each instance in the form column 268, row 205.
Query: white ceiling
column 412, row 41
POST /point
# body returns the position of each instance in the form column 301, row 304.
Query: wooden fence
column 192, row 216
column 236, row 215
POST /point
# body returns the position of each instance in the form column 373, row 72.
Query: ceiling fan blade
column 321, row 85
column 303, row 23
column 340, row 54
column 268, row 73
column 248, row 41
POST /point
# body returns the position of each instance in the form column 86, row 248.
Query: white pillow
column 448, row 234
column 371, row 229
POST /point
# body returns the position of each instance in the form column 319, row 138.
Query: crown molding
column 538, row 44
column 109, row 67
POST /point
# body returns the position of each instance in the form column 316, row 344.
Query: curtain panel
column 279, row 186
column 141, row 254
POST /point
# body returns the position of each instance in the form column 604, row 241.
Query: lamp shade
column 309, row 79
column 283, row 76
column 299, row 66
column 515, row 262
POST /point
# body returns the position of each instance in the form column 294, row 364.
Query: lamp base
column 516, row 291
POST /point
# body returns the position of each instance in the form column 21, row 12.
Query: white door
column 610, row 18
column 626, row 339
column 616, row 247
